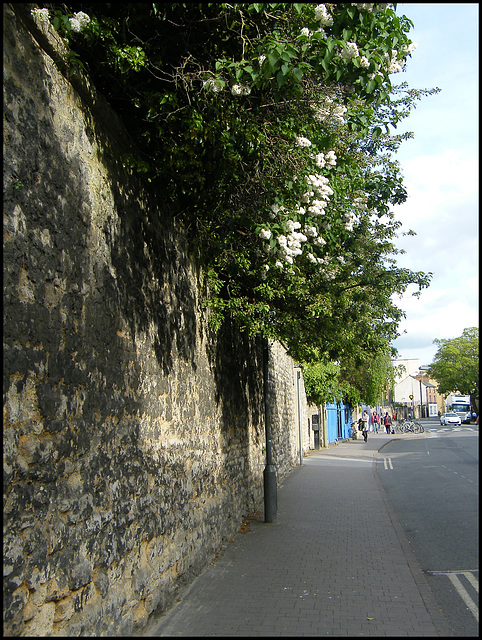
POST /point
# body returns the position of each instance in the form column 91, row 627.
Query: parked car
column 450, row 418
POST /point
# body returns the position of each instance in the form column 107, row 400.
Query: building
column 433, row 396
column 408, row 394
column 417, row 395
column 411, row 367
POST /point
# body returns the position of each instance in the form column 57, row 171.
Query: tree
column 268, row 127
column 364, row 382
column 372, row 378
column 456, row 364
column 323, row 383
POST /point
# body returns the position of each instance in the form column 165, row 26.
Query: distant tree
column 320, row 380
column 371, row 377
column 456, row 363
column 323, row 384
column 355, row 380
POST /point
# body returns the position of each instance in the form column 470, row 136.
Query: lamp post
column 270, row 495
column 298, row 376
column 420, row 381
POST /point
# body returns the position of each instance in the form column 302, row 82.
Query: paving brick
column 310, row 573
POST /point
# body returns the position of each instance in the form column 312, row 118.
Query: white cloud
column 436, row 184
column 440, row 169
column 437, row 313
column 442, row 210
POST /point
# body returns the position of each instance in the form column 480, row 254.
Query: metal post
column 299, row 415
column 421, row 404
column 270, row 495
column 325, row 432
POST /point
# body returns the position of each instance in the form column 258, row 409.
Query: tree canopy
column 269, row 127
column 365, row 383
column 456, row 364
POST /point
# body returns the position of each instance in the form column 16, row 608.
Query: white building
column 412, row 394
column 412, row 366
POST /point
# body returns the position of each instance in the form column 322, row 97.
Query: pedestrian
column 386, row 422
column 365, row 425
column 377, row 421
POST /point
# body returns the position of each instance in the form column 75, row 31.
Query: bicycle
column 410, row 426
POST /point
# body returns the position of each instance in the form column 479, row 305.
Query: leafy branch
column 269, row 126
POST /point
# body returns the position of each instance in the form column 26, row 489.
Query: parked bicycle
column 409, row 426
column 353, row 430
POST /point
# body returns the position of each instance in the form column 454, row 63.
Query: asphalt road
column 432, row 485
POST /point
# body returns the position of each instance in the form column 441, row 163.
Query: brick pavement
column 336, row 563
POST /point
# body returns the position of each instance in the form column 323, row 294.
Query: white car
column 450, row 418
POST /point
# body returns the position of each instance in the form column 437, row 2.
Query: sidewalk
column 336, row 563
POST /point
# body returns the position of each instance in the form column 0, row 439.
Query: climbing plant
column 271, row 129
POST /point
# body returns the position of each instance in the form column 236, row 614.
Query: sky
column 440, row 169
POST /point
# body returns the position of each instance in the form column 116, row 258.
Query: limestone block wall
column 284, row 410
column 133, row 436
column 303, row 413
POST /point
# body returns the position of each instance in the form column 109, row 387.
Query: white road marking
column 469, row 576
column 329, row 457
column 472, row 579
column 387, row 463
column 465, row 596
column 442, row 430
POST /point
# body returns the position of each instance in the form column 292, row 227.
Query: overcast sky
column 440, row 168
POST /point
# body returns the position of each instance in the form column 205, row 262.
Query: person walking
column 365, row 425
column 376, row 421
column 386, row 422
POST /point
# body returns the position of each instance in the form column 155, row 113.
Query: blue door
column 331, row 422
column 347, row 419
column 338, row 421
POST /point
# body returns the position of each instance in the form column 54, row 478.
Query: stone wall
column 133, row 437
column 286, row 411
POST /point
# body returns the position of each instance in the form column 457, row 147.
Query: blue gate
column 338, row 421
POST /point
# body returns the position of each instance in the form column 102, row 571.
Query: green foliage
column 371, row 377
column 16, row 184
column 71, row 64
column 356, row 380
column 456, row 363
column 321, row 382
column 231, row 106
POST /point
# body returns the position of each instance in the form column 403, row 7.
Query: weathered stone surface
column 29, row 611
column 64, row 610
column 81, row 574
column 133, row 439
column 101, row 582
column 42, row 623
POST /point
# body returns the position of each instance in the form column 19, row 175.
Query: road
column 432, row 485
